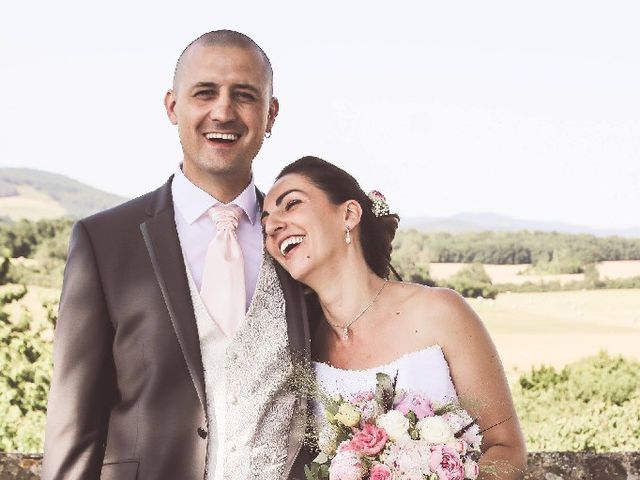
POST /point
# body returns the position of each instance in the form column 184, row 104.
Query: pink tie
column 223, row 290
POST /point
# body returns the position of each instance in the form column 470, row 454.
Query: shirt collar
column 193, row 202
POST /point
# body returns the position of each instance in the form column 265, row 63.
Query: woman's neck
column 345, row 290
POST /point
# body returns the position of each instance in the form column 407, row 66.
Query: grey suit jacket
column 127, row 398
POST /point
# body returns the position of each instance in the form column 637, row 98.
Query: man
column 163, row 367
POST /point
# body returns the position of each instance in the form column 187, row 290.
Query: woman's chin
column 299, row 274
column 296, row 275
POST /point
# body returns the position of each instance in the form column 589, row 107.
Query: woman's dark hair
column 376, row 233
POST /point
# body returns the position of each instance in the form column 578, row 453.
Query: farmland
column 556, row 328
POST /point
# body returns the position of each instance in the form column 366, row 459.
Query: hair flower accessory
column 380, row 206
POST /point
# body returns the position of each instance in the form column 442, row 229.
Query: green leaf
column 385, row 390
column 413, row 418
column 321, row 458
column 323, row 472
column 309, row 474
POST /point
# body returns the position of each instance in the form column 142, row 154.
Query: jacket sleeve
column 83, row 386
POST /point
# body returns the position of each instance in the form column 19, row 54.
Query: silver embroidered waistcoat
column 249, row 407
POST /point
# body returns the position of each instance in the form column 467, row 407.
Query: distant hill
column 35, row 194
column 475, row 222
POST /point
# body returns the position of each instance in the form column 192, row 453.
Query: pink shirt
column 195, row 228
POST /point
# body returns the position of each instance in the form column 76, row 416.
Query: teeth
column 221, row 136
column 290, row 241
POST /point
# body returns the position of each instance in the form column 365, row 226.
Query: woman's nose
column 274, row 224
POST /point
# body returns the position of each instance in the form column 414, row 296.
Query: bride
column 329, row 235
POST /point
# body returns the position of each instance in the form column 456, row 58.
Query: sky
column 527, row 109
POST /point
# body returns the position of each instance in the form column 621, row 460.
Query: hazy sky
column 529, row 109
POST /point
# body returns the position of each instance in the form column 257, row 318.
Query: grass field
column 30, row 204
column 556, row 328
column 621, row 269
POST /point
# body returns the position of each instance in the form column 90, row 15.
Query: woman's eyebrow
column 265, row 214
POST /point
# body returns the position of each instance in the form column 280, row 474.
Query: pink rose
column 346, row 446
column 445, row 461
column 346, row 465
column 364, row 401
column 380, row 472
column 417, row 403
column 459, row 446
column 471, row 469
column 370, row 440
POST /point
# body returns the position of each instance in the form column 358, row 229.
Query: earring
column 347, row 235
column 267, row 134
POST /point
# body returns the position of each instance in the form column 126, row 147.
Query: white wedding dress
column 425, row 371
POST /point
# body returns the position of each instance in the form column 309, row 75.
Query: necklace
column 345, row 328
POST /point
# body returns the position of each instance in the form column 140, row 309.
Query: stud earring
column 347, row 235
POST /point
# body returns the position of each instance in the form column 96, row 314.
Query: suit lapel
column 161, row 239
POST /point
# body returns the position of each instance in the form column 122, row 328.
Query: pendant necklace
column 345, row 328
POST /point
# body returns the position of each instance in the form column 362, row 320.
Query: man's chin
column 224, row 167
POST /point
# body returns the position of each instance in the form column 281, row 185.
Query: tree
column 25, row 376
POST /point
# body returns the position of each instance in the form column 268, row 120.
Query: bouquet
column 390, row 434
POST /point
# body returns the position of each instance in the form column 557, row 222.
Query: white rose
column 395, row 424
column 434, row 430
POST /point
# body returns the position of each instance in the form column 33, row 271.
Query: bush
column 472, row 281
column 46, row 273
column 557, row 266
column 590, row 405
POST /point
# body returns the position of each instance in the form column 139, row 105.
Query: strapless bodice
column 425, row 371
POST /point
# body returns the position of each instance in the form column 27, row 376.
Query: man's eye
column 250, row 97
column 204, row 93
column 291, row 203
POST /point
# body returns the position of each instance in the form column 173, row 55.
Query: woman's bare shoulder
column 422, row 299
column 438, row 308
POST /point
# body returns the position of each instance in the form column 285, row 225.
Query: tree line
column 512, row 248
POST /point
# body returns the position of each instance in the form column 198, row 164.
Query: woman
column 329, row 235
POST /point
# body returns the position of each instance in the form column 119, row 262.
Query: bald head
column 224, row 38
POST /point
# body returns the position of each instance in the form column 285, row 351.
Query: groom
column 176, row 336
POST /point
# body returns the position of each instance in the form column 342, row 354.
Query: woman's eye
column 291, row 203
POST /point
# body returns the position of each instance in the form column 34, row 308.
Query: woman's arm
column 480, row 382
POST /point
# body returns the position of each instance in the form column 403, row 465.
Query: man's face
column 222, row 105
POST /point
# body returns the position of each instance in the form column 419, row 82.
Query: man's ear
column 352, row 213
column 170, row 106
column 274, row 108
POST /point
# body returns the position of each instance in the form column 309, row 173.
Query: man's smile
column 221, row 138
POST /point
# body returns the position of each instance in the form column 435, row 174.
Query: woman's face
column 303, row 229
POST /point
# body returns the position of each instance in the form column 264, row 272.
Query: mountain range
column 476, row 222
column 35, row 194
